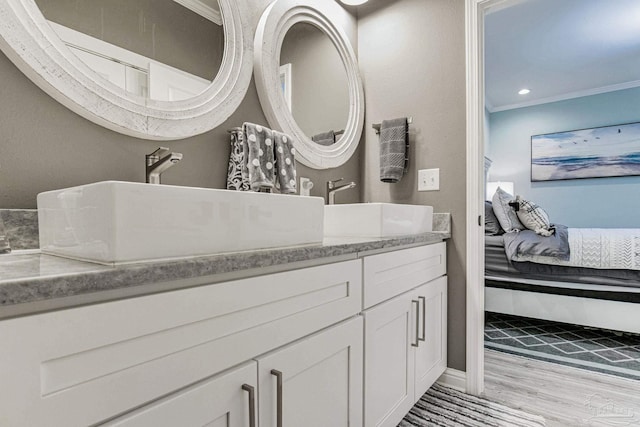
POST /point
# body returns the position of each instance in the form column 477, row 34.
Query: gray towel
column 258, row 154
column 5, row 247
column 285, row 162
column 326, row 138
column 393, row 149
column 237, row 173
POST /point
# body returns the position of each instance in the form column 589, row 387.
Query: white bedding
column 604, row 248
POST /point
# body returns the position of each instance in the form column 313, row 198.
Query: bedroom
column 580, row 66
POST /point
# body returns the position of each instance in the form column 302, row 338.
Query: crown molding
column 202, row 9
column 566, row 96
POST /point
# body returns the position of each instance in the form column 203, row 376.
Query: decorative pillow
column 491, row 224
column 505, row 213
column 533, row 217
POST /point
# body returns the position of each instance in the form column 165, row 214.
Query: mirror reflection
column 165, row 50
column 314, row 83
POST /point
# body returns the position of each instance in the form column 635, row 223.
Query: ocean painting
column 588, row 153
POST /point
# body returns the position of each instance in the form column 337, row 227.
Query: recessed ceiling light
column 353, row 2
column 523, row 91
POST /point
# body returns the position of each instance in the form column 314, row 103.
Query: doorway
column 476, row 12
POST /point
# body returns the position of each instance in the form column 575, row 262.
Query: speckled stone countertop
column 31, row 282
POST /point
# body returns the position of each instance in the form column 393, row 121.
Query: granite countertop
column 31, row 282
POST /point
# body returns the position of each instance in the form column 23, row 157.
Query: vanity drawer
column 105, row 359
column 392, row 273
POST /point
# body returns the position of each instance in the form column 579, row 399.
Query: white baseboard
column 454, row 378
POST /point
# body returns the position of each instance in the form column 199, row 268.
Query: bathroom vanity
column 348, row 333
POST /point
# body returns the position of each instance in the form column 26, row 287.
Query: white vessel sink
column 117, row 222
column 376, row 220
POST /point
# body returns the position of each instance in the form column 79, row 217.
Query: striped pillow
column 533, row 217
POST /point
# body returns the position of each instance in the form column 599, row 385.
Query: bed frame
column 599, row 306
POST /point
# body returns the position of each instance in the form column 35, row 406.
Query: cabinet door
column 226, row 400
column 431, row 354
column 315, row 382
column 390, row 337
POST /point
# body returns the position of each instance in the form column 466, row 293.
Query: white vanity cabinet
column 405, row 336
column 316, row 382
column 87, row 365
column 345, row 344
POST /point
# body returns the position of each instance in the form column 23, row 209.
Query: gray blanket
column 527, row 242
column 496, row 264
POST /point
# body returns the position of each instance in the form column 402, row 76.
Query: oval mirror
column 316, row 81
column 161, row 69
column 308, row 81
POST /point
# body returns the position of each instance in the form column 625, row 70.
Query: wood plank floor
column 565, row 396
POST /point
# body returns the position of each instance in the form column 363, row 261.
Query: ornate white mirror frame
column 32, row 45
column 274, row 24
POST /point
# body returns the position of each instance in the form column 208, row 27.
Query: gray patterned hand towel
column 5, row 247
column 393, row 149
column 237, row 173
column 285, row 162
column 258, row 154
column 326, row 138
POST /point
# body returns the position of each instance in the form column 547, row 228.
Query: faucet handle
column 332, row 182
column 160, row 152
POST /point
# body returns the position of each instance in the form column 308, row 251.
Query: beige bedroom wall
column 412, row 58
column 45, row 146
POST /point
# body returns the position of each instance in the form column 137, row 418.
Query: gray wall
column 320, row 94
column 412, row 56
column 45, row 146
column 568, row 202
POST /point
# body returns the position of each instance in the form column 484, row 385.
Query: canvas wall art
column 587, row 153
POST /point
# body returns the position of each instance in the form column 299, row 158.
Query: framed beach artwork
column 587, row 153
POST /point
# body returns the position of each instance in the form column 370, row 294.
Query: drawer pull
column 417, row 303
column 252, row 403
column 278, row 376
column 424, row 319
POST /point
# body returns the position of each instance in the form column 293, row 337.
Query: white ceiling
column 560, row 49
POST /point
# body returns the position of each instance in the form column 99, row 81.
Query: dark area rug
column 445, row 407
column 572, row 345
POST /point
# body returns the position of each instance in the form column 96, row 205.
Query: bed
column 597, row 284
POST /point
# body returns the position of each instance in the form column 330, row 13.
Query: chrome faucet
column 158, row 162
column 332, row 189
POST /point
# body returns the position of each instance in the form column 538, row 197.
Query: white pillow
column 533, row 217
column 506, row 214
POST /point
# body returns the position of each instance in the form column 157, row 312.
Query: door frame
column 475, row 11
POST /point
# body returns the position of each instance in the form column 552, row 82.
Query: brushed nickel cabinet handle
column 278, row 376
column 252, row 403
column 424, row 318
column 417, row 303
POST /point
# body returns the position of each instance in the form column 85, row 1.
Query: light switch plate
column 429, row 180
